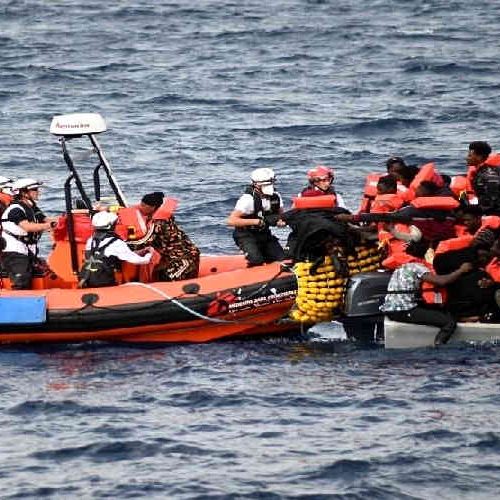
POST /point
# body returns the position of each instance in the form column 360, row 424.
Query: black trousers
column 428, row 316
column 19, row 267
column 259, row 246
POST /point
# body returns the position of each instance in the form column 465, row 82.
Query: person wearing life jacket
column 104, row 252
column 22, row 226
column 403, row 301
column 486, row 184
column 432, row 214
column 320, row 183
column 179, row 256
column 393, row 165
column 477, row 154
column 258, row 208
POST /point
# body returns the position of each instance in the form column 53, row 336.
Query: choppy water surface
column 196, row 95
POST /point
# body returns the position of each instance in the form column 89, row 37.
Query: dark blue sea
column 196, row 94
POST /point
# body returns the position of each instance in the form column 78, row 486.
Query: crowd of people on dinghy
column 435, row 230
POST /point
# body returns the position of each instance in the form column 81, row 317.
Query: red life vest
column 369, row 192
column 454, row 244
column 166, row 210
column 490, row 222
column 131, row 224
column 493, row 269
column 384, row 203
column 436, row 202
column 322, row 201
column 426, row 173
column 5, row 200
column 462, row 188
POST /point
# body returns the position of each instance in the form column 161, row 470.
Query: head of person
column 151, row 202
column 417, row 248
column 5, row 183
column 26, row 188
column 478, row 153
column 387, row 184
column 427, row 188
column 394, row 164
column 470, row 217
column 263, row 180
column 406, row 174
column 321, row 177
column 104, row 221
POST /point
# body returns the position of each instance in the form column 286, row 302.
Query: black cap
column 153, row 199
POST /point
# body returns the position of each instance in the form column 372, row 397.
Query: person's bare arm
column 236, row 219
column 446, row 279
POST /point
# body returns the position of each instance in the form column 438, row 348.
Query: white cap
column 25, row 183
column 104, row 220
column 5, row 181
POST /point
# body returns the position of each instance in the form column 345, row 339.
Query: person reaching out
column 258, row 208
column 105, row 251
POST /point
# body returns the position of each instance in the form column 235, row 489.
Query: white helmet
column 104, row 220
column 5, row 182
column 25, row 183
column 263, row 175
column 264, row 178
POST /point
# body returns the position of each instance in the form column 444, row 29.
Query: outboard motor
column 365, row 294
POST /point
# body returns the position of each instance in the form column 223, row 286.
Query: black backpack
column 97, row 269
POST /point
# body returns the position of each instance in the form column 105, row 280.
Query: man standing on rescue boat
column 258, row 208
column 22, row 226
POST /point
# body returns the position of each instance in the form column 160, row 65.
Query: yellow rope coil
column 320, row 296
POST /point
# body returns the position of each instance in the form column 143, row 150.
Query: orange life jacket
column 462, row 188
column 426, row 173
column 369, row 192
column 166, row 210
column 5, row 200
column 323, row 201
column 131, row 224
column 493, row 269
column 435, row 202
column 454, row 244
column 490, row 222
column 82, row 227
column 384, row 203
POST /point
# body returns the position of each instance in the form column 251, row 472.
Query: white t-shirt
column 120, row 250
column 245, row 204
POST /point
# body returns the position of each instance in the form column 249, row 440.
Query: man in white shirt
column 258, row 208
column 105, row 251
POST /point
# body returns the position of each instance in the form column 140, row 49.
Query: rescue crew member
column 22, row 226
column 320, row 182
column 258, row 208
column 403, row 300
column 104, row 252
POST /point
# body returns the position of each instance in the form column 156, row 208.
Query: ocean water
column 196, row 95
